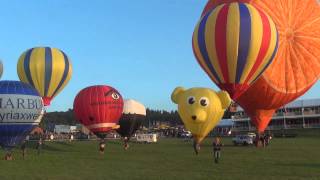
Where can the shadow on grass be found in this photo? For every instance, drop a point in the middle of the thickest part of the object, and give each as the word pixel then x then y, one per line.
pixel 305 165
pixel 63 143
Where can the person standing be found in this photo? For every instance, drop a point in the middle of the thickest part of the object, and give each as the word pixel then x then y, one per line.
pixel 126 143
pixel 39 146
pixel 217 149
pixel 23 149
pixel 102 146
pixel 8 156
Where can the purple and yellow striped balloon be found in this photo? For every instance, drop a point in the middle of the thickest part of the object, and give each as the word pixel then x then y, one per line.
pixel 234 43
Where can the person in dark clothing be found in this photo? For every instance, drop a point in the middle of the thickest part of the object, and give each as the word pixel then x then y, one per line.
pixel 217 149
pixel 126 143
pixel 23 149
pixel 196 147
pixel 267 138
pixel 263 140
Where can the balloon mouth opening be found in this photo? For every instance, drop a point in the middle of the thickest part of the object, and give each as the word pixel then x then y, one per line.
pixel 234 90
pixel 46 101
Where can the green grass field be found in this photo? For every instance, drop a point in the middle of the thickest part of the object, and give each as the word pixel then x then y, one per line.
pixel 296 158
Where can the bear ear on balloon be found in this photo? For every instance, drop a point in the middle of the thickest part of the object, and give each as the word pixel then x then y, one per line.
pixel 225 99
pixel 175 94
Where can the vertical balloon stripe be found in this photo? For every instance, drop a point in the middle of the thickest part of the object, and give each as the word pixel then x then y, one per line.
pixel 197 53
pixel 265 43
pixel 233 26
pixel 202 45
pixel 245 38
pixel 48 69
pixel 37 68
pixel 220 39
pixel 20 68
pixel 256 38
pixel 211 44
pixel 271 51
pixel 65 74
pixel 200 60
pixel 269 60
pixel 26 66
pixel 58 65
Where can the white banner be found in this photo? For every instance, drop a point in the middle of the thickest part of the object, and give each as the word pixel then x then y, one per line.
pixel 15 108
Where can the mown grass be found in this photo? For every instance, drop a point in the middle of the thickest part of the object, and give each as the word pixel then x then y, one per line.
pixel 296 158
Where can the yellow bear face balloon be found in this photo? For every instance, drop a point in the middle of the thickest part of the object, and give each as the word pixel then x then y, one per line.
pixel 200 109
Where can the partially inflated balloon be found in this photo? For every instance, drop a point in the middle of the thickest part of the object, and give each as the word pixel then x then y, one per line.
pixel 234 43
pixel 46 69
pixel 21 110
pixel 134 113
pixel 200 109
pixel 99 109
pixel 297 64
pixel 1 68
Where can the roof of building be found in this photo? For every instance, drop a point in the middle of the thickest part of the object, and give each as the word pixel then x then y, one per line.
pixel 298 104
pixel 225 122
pixel 303 103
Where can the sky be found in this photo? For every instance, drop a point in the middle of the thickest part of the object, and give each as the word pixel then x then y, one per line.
pixel 142 48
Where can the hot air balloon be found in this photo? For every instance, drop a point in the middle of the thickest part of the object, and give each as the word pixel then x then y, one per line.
pixel 134 113
pixel 296 66
pixel 200 109
pixel 234 43
pixel 21 110
pixel 99 108
pixel 1 68
pixel 46 69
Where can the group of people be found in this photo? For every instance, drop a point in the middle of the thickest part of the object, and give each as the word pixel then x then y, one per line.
pixel 23 147
pixel 263 140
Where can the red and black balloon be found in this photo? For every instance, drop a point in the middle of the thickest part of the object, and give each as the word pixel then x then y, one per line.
pixel 99 108
pixel 134 113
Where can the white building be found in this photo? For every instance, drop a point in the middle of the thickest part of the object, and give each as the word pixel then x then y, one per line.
pixel 64 129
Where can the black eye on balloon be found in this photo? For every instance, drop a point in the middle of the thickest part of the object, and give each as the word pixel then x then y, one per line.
pixel 191 100
pixel 115 96
pixel 204 101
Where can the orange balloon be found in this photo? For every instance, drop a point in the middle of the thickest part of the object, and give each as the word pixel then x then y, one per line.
pixel 296 66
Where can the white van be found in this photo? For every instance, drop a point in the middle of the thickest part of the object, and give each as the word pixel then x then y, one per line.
pixel 243 139
pixel 147 138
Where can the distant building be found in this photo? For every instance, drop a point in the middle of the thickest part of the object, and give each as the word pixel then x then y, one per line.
pixel 296 115
pixel 224 127
pixel 83 129
pixel 65 129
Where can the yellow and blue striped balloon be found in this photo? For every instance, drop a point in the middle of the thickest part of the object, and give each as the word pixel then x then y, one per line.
pixel 234 43
pixel 47 69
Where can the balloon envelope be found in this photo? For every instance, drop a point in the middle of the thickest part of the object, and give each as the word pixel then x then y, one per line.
pixel 46 69
pixel 1 68
pixel 234 43
pixel 296 66
pixel 134 113
pixel 21 109
pixel 200 109
pixel 98 108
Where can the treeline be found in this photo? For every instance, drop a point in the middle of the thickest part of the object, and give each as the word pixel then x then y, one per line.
pixel 153 117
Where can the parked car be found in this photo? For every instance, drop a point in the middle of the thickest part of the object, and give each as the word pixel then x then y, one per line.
pixel 243 139
pixel 186 134
pixel 147 138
